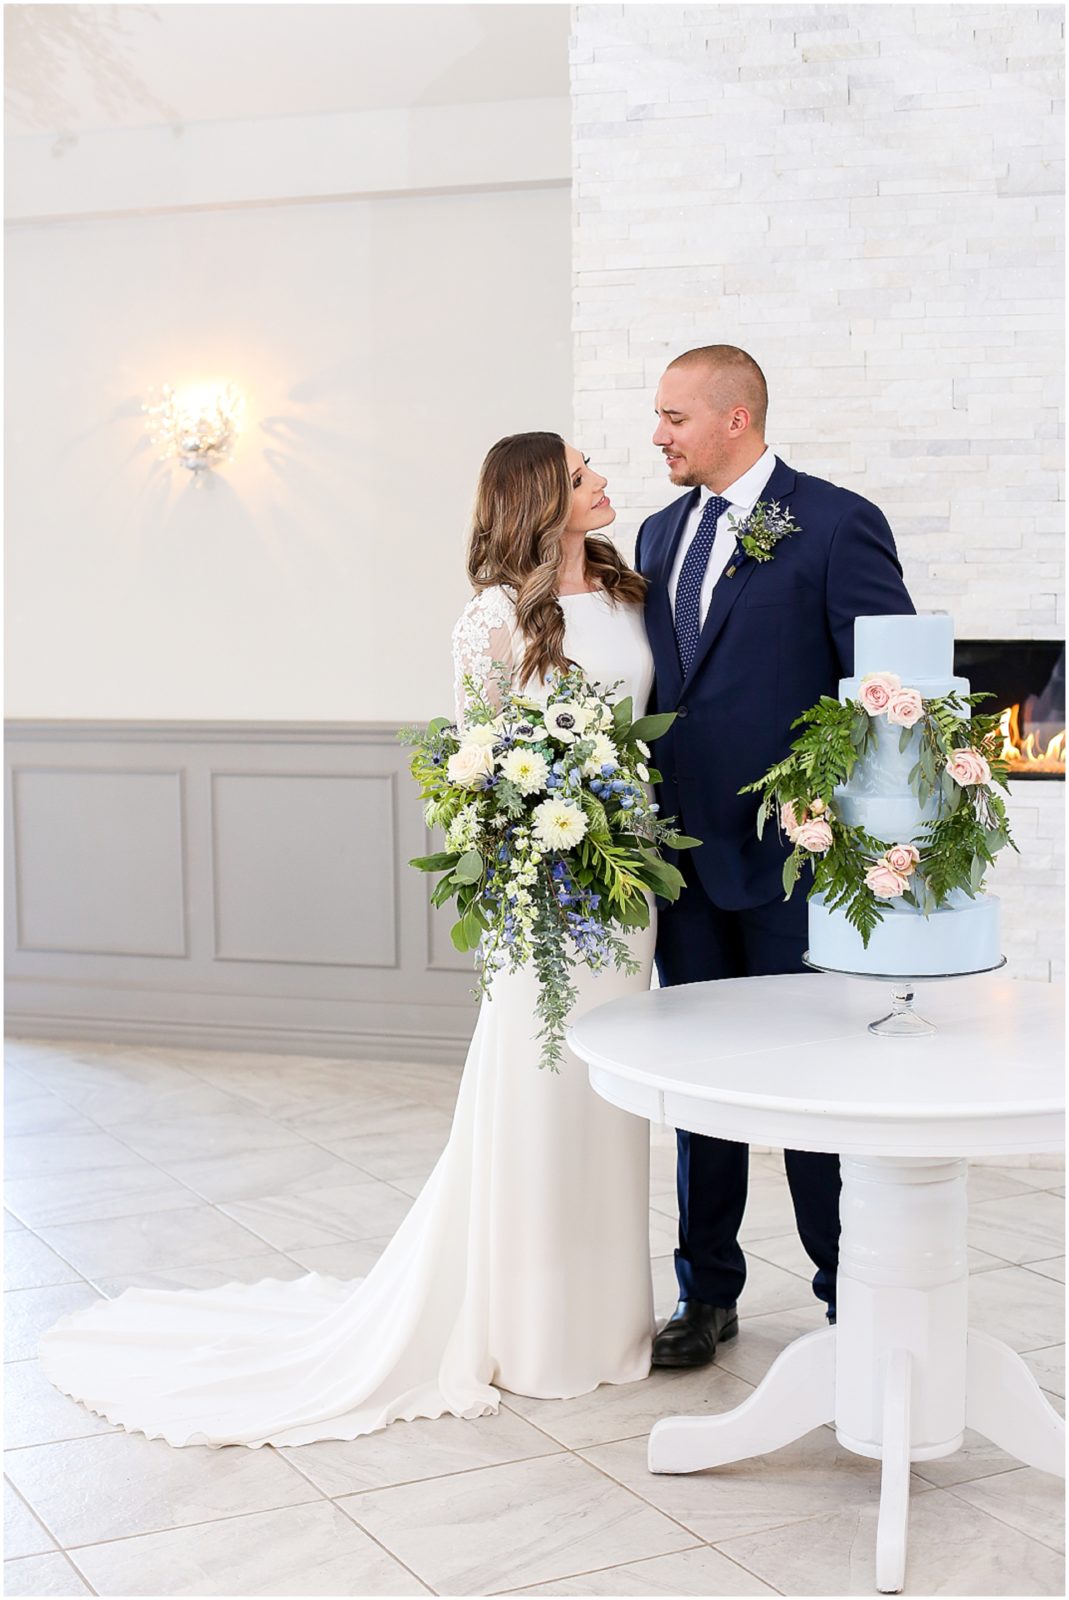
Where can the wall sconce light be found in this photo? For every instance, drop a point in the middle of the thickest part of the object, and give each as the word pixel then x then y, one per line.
pixel 197 427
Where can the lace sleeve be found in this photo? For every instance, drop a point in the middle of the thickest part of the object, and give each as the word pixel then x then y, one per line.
pixel 483 643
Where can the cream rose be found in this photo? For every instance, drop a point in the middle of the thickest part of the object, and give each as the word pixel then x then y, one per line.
pixel 885 882
pixel 876 690
pixel 815 835
pixel 902 858
pixel 905 708
pixel 470 763
pixel 968 766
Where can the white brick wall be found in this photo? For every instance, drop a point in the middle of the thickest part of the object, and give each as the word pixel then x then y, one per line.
pixel 868 198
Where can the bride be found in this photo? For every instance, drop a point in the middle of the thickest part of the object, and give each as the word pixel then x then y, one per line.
pixel 524 1263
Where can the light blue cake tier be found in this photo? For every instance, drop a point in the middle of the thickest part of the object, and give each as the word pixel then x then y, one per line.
pixel 962 936
pixel 919 650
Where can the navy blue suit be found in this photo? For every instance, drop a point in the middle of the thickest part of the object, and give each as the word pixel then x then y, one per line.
pixel 777 636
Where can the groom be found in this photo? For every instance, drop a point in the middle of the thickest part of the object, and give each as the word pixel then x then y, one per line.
pixel 740 648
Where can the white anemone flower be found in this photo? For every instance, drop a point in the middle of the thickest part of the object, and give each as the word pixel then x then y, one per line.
pixel 526 769
pixel 558 824
pixel 566 721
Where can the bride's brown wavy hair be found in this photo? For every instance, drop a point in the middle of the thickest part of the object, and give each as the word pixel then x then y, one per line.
pixel 522 507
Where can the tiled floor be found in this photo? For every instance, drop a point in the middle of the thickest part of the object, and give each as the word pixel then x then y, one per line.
pixel 181 1167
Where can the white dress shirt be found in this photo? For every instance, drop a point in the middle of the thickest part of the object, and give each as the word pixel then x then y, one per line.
pixel 742 496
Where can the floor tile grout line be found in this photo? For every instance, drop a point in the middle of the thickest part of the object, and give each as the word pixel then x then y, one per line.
pixel 589 1572
pixel 459 1472
pixel 989 1512
pixel 791 1521
pixel 78 1571
pixel 14 1489
pixel 14 1561
pixel 691 1532
pixel 205 1522
pixel 393 1557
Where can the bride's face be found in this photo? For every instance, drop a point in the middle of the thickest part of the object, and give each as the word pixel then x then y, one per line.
pixel 591 506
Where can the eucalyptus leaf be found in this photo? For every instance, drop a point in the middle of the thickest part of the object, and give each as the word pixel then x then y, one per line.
pixel 652 727
pixel 469 869
pixel 436 863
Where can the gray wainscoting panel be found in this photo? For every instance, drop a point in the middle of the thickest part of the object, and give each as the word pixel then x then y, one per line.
pixel 230 885
pixel 298 862
pixel 99 860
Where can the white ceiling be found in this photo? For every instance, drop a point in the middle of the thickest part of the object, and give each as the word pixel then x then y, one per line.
pixel 73 69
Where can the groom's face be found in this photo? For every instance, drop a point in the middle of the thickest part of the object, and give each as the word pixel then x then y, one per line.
pixel 695 438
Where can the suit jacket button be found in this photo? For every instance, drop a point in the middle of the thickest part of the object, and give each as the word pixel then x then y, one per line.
pixel 681 711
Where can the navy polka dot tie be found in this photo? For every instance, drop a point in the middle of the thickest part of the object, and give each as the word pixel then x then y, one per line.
pixel 692 573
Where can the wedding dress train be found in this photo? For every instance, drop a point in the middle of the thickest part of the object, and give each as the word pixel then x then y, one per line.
pixel 522 1265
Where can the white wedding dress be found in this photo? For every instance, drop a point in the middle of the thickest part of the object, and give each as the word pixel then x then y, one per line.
pixel 522 1265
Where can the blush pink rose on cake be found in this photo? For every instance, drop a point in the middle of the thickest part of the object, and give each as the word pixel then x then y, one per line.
pixel 875 691
pixel 905 708
pixel 815 835
pixel 902 858
pixel 968 766
pixel 885 882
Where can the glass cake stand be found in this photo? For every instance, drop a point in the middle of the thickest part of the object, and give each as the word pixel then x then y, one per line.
pixel 902 1022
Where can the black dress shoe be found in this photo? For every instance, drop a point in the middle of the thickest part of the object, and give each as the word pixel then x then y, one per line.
pixel 831 1315
pixel 689 1338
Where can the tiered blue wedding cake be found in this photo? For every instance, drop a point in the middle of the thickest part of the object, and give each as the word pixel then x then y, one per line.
pixel 963 935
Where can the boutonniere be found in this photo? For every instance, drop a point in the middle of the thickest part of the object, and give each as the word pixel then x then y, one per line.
pixel 758 534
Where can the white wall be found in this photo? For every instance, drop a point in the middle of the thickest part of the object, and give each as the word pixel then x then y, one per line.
pixel 868 198
pixel 382 345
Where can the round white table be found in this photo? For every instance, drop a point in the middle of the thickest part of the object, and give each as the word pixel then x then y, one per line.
pixel 789 1061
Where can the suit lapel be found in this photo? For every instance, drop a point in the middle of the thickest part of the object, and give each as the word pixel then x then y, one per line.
pixel 726 591
pixel 660 624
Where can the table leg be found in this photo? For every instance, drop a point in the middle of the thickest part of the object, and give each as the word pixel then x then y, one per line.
pixel 1005 1403
pixel 796 1395
pixel 893 1527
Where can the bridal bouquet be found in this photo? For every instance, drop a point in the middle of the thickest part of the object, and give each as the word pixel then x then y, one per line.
pixel 551 840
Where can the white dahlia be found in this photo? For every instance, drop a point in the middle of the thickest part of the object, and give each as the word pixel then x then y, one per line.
pixel 526 769
pixel 558 824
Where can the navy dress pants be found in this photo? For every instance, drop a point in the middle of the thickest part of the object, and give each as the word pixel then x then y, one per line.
pixel 697 941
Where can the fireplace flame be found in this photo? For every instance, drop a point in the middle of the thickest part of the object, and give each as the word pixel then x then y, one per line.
pixel 1032 753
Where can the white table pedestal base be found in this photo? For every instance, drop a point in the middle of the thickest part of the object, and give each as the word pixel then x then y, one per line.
pixel 900 1375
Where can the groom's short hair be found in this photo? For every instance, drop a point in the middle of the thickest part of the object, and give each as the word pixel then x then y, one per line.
pixel 735 379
